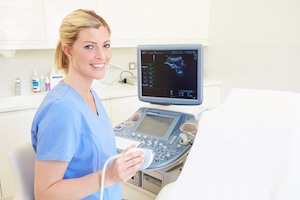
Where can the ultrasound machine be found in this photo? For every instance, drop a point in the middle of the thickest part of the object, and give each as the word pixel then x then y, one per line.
pixel 170 78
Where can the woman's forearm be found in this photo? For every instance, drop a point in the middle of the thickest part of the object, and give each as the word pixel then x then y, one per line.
pixel 49 182
pixel 66 189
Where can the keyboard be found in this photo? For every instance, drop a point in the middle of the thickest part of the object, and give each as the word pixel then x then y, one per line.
pixel 123 143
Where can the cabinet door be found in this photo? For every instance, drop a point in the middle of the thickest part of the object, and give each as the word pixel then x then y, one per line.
pixel 21 24
pixel 159 21
pixel 123 108
pixel 15 131
pixel 124 19
pixel 107 106
pixel 56 10
pixel 193 20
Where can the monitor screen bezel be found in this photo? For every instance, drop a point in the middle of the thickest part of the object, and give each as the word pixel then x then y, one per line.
pixel 172 101
pixel 165 137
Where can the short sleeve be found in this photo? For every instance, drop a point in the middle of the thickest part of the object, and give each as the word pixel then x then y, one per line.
pixel 57 135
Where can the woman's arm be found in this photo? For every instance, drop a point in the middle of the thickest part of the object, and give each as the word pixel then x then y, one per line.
pixel 49 182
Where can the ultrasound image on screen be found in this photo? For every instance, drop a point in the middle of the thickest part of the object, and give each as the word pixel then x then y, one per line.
pixel 171 74
pixel 177 63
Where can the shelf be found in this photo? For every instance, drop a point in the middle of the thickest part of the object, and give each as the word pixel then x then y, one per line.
pixel 132 192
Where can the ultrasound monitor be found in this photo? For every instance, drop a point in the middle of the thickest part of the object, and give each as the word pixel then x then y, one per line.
pixel 170 74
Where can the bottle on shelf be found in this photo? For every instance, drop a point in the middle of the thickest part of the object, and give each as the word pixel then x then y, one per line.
pixel 35 82
pixel 47 83
pixel 42 83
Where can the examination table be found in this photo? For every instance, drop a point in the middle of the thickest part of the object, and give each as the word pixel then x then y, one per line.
pixel 248 148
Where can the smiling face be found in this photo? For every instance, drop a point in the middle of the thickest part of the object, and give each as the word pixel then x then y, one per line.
pixel 90 54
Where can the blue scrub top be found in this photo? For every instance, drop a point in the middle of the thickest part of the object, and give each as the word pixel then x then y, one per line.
pixel 66 129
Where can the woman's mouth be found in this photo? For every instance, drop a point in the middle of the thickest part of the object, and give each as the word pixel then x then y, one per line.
pixel 97 65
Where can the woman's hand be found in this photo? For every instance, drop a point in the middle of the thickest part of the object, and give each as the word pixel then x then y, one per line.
pixel 124 168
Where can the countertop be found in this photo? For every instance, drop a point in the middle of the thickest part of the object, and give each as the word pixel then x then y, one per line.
pixel 33 100
pixel 116 90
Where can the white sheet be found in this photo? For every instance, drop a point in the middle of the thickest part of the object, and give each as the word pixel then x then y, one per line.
pixel 246 149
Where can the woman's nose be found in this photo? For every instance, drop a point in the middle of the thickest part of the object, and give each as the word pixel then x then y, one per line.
pixel 100 54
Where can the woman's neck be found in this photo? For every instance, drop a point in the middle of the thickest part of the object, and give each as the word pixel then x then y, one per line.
pixel 81 85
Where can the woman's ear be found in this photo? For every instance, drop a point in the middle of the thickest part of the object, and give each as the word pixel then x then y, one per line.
pixel 67 50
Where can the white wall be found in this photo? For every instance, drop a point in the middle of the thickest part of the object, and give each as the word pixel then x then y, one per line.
pixel 21 66
pixel 24 61
pixel 252 44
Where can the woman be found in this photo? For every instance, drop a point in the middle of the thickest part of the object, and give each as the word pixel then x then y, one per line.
pixel 71 132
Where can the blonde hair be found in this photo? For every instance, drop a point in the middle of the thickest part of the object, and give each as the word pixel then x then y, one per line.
pixel 70 27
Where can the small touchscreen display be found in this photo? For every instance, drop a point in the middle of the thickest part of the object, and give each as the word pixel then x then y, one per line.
pixel 155 125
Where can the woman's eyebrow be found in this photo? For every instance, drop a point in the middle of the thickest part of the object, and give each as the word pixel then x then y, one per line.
pixel 96 42
pixel 90 42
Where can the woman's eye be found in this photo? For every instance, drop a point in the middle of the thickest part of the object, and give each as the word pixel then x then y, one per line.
pixel 88 46
pixel 107 45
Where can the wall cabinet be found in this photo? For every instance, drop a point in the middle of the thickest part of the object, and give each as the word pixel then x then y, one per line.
pixel 193 21
pixel 34 24
pixel 21 24
pixel 56 10
pixel 160 20
pixel 124 19
pixel 156 21
pixel 175 21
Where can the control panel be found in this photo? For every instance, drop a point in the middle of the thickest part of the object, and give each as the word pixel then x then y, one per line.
pixel 167 133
